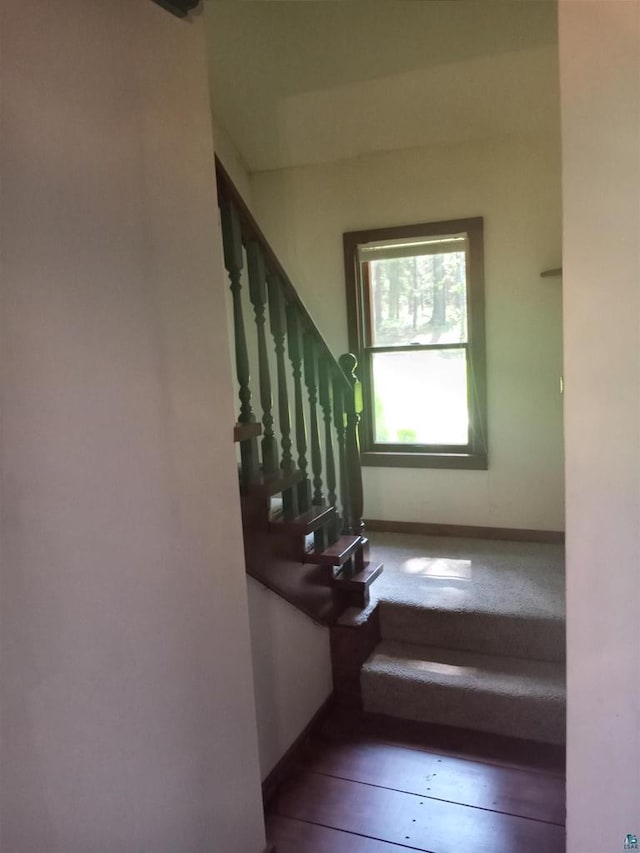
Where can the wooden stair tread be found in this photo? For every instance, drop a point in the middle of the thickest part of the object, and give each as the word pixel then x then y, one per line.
pixel 336 554
pixel 362 579
pixel 243 432
pixel 307 522
pixel 269 485
pixel 304 586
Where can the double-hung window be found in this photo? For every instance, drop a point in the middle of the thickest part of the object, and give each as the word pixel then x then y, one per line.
pixel 415 299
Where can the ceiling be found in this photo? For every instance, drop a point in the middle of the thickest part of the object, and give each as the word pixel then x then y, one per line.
pixel 297 82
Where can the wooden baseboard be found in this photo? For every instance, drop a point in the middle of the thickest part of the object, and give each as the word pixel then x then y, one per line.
pixel 292 755
pixel 345 725
pixel 555 537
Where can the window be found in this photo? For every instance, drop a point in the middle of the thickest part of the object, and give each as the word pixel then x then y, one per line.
pixel 415 303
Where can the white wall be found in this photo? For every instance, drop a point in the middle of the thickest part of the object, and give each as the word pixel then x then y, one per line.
pixel 291 670
pixel 600 82
pixel 514 182
pixel 127 709
pixel 291 655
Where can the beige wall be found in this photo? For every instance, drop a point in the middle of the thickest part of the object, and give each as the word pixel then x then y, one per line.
pixel 127 709
pixel 514 182
pixel 291 670
pixel 600 80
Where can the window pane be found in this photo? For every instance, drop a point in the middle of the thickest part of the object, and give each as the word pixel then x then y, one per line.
pixel 418 299
pixel 420 397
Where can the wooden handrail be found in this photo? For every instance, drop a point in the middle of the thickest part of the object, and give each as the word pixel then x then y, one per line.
pixel 251 231
pixel 333 387
pixel 307 546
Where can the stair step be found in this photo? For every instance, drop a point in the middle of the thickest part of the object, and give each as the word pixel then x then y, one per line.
pixel 501 695
pixel 268 485
pixel 243 432
pixel 475 628
pixel 336 554
pixel 356 587
pixel 363 578
pixel 488 597
pixel 308 522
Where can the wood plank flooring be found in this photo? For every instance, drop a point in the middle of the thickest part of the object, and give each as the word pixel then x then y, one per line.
pixel 364 793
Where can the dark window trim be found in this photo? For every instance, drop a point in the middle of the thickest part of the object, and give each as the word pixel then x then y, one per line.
pixel 471 456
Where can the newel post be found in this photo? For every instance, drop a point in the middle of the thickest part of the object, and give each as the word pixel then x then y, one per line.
pixel 352 402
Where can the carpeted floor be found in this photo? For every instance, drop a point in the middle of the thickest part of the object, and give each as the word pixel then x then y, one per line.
pixel 509 578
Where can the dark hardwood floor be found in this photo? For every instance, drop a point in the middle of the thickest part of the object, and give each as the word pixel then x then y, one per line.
pixel 374 785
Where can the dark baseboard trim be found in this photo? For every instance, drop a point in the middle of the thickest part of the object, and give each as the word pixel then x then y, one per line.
pixel 460 743
pixel 291 757
pixel 555 537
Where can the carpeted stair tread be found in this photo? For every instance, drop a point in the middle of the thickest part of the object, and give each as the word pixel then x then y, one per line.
pixel 508 598
pixel 482 630
pixel 472 574
pixel 477 595
pixel 502 695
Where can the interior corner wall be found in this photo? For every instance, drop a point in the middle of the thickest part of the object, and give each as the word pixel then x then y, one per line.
pixel 291 654
pixel 514 183
pixel 127 708
pixel 231 158
pixel 600 86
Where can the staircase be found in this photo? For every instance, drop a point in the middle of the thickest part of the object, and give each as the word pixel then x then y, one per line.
pixel 472 636
pixel 302 456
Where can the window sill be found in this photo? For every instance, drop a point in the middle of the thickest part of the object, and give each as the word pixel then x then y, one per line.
pixel 464 461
